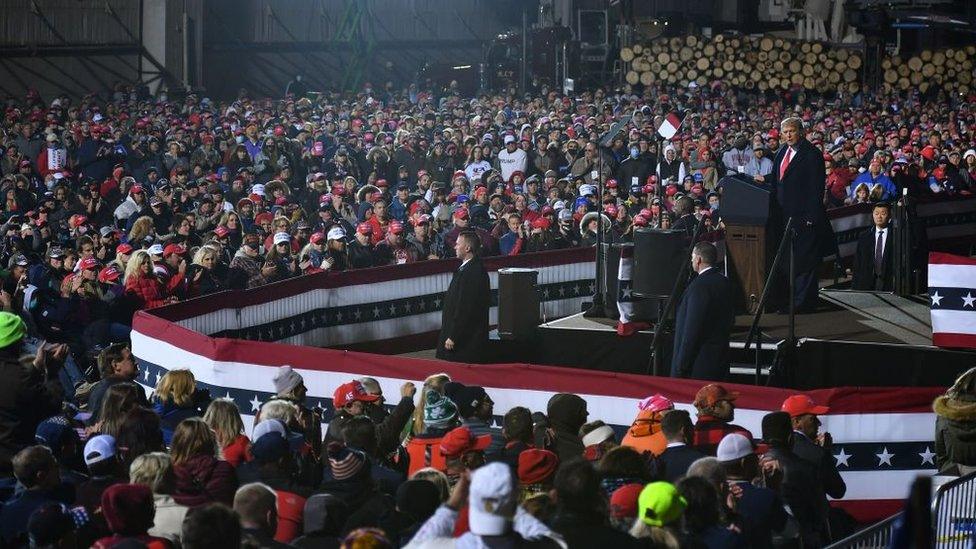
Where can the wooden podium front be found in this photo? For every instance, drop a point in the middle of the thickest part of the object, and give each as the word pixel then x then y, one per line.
pixel 745 259
pixel 745 210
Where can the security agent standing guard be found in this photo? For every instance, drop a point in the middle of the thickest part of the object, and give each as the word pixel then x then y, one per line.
pixel 703 321
pixel 464 318
pixel 873 263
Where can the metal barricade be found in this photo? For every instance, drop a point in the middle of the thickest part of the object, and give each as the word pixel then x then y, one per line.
pixel 876 536
pixel 954 513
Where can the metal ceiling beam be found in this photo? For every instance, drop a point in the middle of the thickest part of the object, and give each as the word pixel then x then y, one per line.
pixel 337 46
pixel 102 50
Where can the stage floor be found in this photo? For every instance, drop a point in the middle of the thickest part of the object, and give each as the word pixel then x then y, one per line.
pixel 867 317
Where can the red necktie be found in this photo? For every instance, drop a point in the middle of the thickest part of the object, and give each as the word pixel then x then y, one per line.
pixel 786 162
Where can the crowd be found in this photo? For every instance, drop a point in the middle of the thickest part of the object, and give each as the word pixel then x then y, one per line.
pixel 120 203
pixel 114 204
pixel 430 468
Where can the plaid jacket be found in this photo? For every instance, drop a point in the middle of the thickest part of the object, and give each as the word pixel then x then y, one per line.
pixel 709 431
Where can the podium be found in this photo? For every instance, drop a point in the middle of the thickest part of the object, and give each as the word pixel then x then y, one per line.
pixel 746 212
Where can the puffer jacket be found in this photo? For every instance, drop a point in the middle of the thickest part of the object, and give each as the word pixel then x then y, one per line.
pixel 955 431
pixel 204 479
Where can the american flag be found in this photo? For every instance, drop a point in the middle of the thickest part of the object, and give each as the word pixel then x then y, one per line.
pixel 952 296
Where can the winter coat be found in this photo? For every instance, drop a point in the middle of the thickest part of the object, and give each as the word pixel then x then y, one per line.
pixel 26 399
pixel 170 415
pixel 566 416
pixel 147 291
pixel 168 521
pixel 204 479
pixel 955 431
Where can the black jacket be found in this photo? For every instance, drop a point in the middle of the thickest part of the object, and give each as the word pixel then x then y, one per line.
pixel 464 318
pixel 830 480
pixel 702 326
pixel 800 490
pixel 800 196
pixel 864 272
pixel 26 399
pixel 675 461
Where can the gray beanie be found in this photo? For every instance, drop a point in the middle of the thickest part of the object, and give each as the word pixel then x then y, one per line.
pixel 286 379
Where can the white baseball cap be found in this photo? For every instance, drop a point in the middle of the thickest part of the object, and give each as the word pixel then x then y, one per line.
pixel 336 233
pixel 509 138
pixel 99 448
pixel 492 500
pixel 733 447
pixel 281 237
pixel 155 249
pixel 269 426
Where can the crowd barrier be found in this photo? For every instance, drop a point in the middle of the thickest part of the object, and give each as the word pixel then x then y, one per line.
pixel 233 341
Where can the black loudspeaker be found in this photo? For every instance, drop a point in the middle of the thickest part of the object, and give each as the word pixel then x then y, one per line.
pixel 518 303
pixel 644 308
pixel 658 258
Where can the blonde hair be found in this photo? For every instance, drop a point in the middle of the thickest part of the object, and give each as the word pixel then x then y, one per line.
pixel 176 386
pixel 433 382
pixel 202 254
pixel 155 470
pixel 437 477
pixel 191 438
pixel 224 418
pixel 133 267
pixel 279 409
pixel 141 228
pixel 660 537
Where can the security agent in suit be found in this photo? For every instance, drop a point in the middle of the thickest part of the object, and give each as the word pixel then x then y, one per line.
pixel 798 179
pixel 677 457
pixel 873 262
pixel 464 318
pixel 703 321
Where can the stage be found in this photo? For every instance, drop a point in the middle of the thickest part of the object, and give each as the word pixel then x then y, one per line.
pixel 852 339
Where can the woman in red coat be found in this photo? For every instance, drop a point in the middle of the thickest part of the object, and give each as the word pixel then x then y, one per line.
pixel 200 477
pixel 142 284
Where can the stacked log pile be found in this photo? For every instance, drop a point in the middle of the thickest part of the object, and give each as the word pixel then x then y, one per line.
pixel 768 62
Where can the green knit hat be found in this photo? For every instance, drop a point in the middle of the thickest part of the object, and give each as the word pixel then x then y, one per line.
pixel 439 411
pixel 12 329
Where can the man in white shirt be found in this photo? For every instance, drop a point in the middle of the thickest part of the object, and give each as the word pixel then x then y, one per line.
pixel 512 159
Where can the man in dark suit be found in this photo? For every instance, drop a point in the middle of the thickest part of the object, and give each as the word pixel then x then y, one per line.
pixel 873 260
pixel 704 320
pixel 813 446
pixel 798 177
pixel 677 457
pixel 464 318
pixel 684 212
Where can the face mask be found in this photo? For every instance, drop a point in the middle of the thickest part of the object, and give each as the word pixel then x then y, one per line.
pixel 713 206
pixel 634 151
pixel 239 139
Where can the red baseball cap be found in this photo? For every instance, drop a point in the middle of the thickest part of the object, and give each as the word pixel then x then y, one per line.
pixel 799 405
pixel 461 214
pixel 348 393
pixel 540 223
pixel 536 466
pixel 364 228
pixel 460 441
pixel 123 249
pixel 109 274
pixel 316 238
pixel 88 263
pixel 171 249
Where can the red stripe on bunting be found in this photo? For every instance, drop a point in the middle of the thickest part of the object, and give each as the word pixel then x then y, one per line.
pixel 962 341
pixel 940 258
pixel 842 400
pixel 867 511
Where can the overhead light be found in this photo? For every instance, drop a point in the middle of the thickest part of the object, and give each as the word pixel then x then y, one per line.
pixel 461 67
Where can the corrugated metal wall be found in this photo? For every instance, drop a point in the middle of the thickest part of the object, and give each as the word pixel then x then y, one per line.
pixel 78 21
pixel 365 35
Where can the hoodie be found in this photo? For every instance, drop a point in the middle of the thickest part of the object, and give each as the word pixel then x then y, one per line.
pixel 567 413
